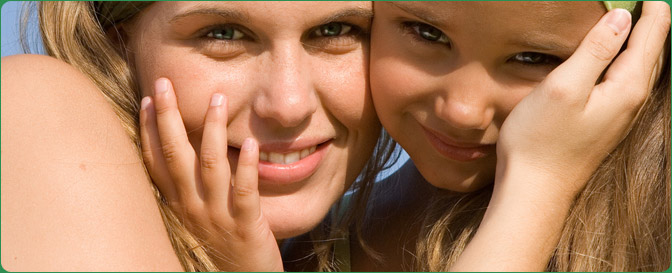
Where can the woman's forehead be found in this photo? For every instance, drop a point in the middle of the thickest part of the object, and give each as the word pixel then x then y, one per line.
pixel 260 11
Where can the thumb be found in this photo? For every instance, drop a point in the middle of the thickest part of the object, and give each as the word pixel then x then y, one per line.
pixel 594 54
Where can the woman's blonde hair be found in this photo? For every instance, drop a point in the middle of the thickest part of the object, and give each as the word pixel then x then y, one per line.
pixel 72 33
pixel 619 222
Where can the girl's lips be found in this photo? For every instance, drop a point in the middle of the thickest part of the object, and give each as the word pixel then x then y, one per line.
pixel 455 150
pixel 289 166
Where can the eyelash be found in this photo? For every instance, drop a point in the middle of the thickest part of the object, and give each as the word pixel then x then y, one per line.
pixel 535 59
pixel 419 32
pixel 241 33
pixel 344 29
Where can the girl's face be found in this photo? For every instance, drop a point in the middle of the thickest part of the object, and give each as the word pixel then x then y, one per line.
pixel 295 75
pixel 445 75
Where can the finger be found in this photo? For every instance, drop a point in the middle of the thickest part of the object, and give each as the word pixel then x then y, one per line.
pixel 152 153
pixel 593 55
pixel 177 151
pixel 245 197
pixel 644 50
pixel 215 172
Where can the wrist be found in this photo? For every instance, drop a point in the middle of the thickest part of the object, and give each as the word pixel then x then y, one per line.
pixel 541 185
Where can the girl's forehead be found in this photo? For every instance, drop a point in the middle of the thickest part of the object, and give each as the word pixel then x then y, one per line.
pixel 546 13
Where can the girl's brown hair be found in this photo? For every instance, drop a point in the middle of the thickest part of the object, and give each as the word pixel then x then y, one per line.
pixel 73 32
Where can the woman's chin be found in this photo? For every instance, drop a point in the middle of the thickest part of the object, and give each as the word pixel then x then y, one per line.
pixel 288 227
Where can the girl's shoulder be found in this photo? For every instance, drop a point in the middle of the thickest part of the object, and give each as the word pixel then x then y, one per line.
pixel 74 191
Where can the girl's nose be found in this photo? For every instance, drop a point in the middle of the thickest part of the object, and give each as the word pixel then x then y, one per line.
pixel 466 99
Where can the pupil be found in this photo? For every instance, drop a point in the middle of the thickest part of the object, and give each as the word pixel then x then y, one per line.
pixel 331 29
pixel 532 58
pixel 429 33
pixel 226 33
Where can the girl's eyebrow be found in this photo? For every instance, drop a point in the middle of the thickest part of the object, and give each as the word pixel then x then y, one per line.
pixel 228 14
pixel 421 13
pixel 543 43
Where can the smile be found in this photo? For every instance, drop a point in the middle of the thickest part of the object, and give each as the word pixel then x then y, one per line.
pixel 288 158
pixel 287 163
pixel 456 150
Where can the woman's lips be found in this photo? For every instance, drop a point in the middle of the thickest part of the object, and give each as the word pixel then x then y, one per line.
pixel 289 165
pixel 456 150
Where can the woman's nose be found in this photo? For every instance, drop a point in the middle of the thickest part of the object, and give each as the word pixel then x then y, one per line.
pixel 466 99
pixel 288 94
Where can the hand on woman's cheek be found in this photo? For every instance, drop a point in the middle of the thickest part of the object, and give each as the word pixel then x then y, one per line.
pixel 224 213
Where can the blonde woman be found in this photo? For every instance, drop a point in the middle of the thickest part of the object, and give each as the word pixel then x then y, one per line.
pixel 290 77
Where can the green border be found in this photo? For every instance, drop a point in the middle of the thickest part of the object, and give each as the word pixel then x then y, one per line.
pixel 614 3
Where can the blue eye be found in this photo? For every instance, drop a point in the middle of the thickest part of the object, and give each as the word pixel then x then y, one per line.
pixel 429 33
pixel 225 33
pixel 332 29
pixel 534 58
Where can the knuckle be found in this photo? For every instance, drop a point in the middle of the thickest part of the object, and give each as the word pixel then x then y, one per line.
pixel 209 158
pixel 563 92
pixel 147 156
pixel 162 110
pixel 243 190
pixel 171 151
pixel 600 50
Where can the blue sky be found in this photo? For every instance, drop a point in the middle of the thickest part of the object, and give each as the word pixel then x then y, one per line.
pixel 11 16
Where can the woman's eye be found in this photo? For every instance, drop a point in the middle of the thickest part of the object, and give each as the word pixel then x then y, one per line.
pixel 430 33
pixel 332 29
pixel 225 33
pixel 534 58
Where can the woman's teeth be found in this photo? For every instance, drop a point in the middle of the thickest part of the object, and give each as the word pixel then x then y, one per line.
pixel 288 158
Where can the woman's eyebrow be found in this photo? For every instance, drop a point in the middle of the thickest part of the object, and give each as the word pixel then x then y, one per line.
pixel 366 14
pixel 228 14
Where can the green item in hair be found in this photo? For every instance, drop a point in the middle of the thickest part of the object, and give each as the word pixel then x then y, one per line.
pixel 626 5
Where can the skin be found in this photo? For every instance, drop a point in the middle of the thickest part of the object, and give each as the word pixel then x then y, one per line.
pixel 68 202
pixel 463 86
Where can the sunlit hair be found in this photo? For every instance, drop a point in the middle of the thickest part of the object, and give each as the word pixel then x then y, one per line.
pixel 619 222
pixel 71 33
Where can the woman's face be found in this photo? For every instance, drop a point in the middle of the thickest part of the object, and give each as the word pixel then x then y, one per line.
pixel 445 75
pixel 295 75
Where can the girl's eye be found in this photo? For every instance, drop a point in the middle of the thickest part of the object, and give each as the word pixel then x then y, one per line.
pixel 429 33
pixel 332 29
pixel 534 58
pixel 225 33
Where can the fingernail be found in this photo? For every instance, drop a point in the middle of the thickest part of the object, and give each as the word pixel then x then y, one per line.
pixel 248 144
pixel 216 100
pixel 619 20
pixel 145 101
pixel 161 86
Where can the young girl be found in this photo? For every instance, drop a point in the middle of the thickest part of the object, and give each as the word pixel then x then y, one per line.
pixel 445 79
pixel 290 77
